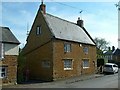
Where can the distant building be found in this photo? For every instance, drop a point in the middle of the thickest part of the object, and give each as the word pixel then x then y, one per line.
pixel 116 56
pixel 109 54
pixel 113 55
pixel 9 51
pixel 57 48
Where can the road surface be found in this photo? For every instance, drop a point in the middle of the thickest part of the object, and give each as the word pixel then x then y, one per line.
pixel 107 81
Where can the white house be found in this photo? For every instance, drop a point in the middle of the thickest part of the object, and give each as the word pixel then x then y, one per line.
pixel 9 51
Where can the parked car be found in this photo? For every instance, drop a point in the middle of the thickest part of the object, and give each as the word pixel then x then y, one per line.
pixel 110 68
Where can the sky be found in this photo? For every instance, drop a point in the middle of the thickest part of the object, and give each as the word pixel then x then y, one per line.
pixel 100 18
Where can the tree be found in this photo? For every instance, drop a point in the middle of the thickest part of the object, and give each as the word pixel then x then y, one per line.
pixel 21 66
pixel 101 44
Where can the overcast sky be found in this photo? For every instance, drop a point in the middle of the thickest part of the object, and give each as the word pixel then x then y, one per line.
pixel 100 19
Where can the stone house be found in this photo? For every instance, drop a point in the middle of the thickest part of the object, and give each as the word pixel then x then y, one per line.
pixel 116 56
pixel 57 48
pixel 109 54
pixel 113 56
pixel 9 51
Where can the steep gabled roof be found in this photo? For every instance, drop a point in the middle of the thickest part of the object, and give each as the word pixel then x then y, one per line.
pixel 7 36
pixel 110 52
pixel 63 29
pixel 116 52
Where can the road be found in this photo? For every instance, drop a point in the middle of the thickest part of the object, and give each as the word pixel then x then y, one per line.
pixel 107 81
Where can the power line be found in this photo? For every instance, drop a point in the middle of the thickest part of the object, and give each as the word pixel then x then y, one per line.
pixel 80 10
pixel 68 5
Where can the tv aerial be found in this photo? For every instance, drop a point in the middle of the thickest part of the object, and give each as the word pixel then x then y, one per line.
pixel 81 13
pixel 118 6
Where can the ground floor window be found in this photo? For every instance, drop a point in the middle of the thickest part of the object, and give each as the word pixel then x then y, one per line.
pixel 3 71
pixel 46 64
pixel 68 64
pixel 86 63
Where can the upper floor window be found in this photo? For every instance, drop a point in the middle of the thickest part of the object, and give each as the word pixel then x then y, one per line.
pixel 3 71
pixel 38 30
pixel 67 47
pixel 85 49
pixel 1 51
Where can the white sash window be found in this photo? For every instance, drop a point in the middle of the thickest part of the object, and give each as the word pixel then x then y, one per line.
pixel 3 72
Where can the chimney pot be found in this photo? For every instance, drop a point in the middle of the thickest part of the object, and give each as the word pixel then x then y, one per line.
pixel 78 18
pixel 80 22
pixel 113 48
pixel 43 8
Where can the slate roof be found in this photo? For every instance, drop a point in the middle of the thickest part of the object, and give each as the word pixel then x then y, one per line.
pixel 63 29
pixel 117 52
pixel 6 36
pixel 108 52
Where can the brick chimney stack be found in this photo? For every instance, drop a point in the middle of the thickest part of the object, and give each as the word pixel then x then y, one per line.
pixel 80 22
pixel 43 7
pixel 113 48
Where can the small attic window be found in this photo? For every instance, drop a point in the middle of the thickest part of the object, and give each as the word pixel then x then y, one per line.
pixel 38 30
pixel 86 50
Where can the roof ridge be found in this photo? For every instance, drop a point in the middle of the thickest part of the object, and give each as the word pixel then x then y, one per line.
pixel 5 27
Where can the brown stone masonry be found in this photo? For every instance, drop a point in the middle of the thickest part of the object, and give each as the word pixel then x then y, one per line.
pixel 10 62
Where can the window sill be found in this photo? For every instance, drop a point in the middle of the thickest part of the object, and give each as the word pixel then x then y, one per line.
pixel 86 67
pixel 66 52
pixel 1 58
pixel 68 69
pixel 3 77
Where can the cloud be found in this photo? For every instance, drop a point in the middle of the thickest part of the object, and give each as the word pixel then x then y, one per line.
pixel 17 20
pixel 61 0
pixel 0 13
pixel 28 17
pixel 53 9
pixel 104 24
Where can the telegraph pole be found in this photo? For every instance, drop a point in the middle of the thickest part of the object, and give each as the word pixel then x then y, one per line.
pixel 118 7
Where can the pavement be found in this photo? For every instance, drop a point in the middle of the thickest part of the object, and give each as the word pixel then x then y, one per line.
pixel 83 77
pixel 65 81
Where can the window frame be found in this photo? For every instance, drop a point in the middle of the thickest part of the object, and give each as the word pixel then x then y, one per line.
pixel 83 64
pixel 86 49
pixel 67 47
pixel 68 65
pixel 38 30
pixel 46 64
pixel 3 72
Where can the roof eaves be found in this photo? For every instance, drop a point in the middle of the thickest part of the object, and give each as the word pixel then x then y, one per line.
pixel 11 42
pixel 75 41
